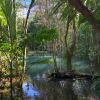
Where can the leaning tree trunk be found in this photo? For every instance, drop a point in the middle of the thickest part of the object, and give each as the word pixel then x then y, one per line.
pixel 25 32
pixel 78 5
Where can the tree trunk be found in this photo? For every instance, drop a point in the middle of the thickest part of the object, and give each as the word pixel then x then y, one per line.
pixel 1 96
pixel 11 87
pixel 25 32
pixel 24 60
pixel 69 93
pixel 70 50
pixel 54 58
pixel 69 60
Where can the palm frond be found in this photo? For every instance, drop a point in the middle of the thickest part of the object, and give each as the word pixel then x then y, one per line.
pixel 68 11
pixel 56 7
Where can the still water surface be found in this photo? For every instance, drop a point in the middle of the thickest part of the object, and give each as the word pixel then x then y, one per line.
pixel 37 87
pixel 62 90
pixel 42 89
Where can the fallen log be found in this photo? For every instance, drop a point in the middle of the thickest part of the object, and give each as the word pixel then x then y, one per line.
pixel 71 75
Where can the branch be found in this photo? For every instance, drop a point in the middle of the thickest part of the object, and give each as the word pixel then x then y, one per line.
pixel 28 12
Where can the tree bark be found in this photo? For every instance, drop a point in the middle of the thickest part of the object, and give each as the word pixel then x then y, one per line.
pixel 25 32
pixel 79 6
pixel 11 84
pixel 69 59
pixel 70 50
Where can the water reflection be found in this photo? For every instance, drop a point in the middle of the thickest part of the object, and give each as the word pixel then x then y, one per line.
pixel 30 91
pixel 62 90
pixel 58 90
pixel 66 90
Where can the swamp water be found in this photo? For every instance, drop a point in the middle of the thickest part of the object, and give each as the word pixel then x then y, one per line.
pixel 37 87
pixel 41 89
pixel 60 90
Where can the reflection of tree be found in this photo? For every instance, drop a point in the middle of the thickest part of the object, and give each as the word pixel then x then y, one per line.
pixel 27 85
pixel 56 91
pixel 68 91
pixel 1 96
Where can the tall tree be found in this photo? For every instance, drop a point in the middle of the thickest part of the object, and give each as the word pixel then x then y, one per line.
pixel 8 9
pixel 25 32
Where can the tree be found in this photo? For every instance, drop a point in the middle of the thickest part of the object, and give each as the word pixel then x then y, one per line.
pixel 25 32
pixel 79 6
pixel 9 44
pixel 86 8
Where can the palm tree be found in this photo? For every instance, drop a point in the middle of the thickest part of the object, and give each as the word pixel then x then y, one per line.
pixel 8 9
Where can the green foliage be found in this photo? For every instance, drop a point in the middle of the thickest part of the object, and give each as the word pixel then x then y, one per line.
pixel 94 6
pixel 82 49
pixel 10 49
pixel 2 18
pixel 56 7
pixel 81 20
pixel 68 11
pixel 39 34
pixel 46 35
pixel 86 47
pixel 5 47
pixel 10 15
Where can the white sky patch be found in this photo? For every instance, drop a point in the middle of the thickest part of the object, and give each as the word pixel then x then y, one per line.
pixel 22 12
pixel 27 2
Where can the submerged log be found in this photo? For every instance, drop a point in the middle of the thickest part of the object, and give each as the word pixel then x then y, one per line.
pixel 71 75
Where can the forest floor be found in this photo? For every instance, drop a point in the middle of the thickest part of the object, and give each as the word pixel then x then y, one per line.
pixel 5 83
